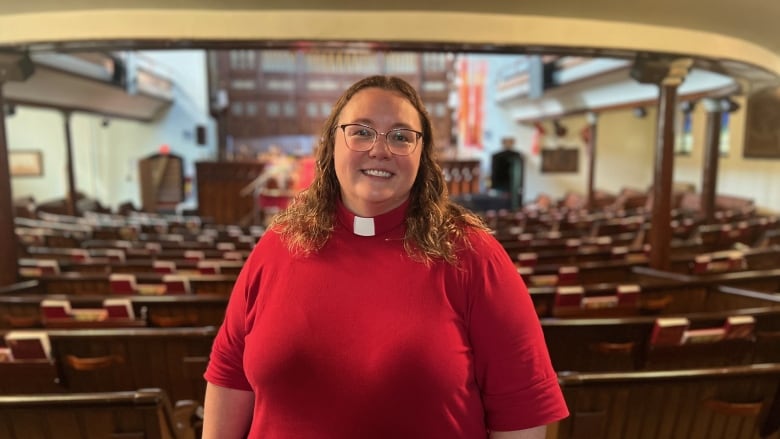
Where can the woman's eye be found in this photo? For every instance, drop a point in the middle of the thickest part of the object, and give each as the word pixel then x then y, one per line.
pixel 360 132
pixel 400 137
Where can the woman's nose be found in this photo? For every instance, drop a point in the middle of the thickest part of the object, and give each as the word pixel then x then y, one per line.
pixel 380 148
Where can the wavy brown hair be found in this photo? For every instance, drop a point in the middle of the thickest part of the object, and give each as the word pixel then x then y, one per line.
pixel 435 226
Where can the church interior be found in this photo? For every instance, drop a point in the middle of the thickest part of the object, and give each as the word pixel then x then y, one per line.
pixel 626 157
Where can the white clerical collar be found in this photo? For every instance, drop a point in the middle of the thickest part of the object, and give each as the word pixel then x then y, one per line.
pixel 363 226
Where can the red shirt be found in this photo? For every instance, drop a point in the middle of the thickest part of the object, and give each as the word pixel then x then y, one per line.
pixel 360 341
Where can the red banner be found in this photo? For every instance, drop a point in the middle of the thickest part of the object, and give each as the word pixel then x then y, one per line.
pixel 471 95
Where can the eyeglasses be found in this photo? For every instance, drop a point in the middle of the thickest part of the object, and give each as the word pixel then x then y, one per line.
pixel 400 141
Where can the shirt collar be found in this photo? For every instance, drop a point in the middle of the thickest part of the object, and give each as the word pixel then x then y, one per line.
pixel 377 225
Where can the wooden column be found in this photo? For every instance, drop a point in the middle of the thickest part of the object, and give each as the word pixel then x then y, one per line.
pixel 661 229
pixel 668 74
pixel 70 197
pixel 12 68
pixel 9 264
pixel 220 117
pixel 592 119
pixel 709 180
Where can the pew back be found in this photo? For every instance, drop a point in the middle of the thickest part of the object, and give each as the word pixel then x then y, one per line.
pixel 142 414
pixel 725 403
pixel 105 360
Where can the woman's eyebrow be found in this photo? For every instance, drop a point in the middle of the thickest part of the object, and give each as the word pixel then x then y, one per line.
pixel 395 126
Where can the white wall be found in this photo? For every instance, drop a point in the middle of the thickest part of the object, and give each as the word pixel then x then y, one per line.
pixel 106 157
pixel 39 130
pixel 626 158
pixel 626 148
pixel 758 179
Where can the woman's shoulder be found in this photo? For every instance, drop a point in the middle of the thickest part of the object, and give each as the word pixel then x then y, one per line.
pixel 270 239
pixel 480 241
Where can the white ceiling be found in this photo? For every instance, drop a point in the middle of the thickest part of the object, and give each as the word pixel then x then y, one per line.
pixel 744 30
pixel 720 31
pixel 750 20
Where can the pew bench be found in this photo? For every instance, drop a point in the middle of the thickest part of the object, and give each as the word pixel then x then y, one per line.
pixel 142 414
pixel 73 283
pixel 119 359
pixel 737 402
pixel 24 310
pixel 623 344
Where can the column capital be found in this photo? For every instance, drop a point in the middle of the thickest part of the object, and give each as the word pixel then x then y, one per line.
pixel 660 70
pixel 712 105
pixel 15 67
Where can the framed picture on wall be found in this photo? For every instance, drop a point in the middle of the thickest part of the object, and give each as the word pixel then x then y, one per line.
pixel 560 160
pixel 25 163
pixel 762 119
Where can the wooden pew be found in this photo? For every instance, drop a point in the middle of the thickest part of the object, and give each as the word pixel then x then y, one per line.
pixel 665 293
pixel 90 360
pixel 616 263
pixel 130 253
pixel 604 344
pixel 23 310
pixel 723 403
pixel 30 376
pixel 141 414
pixel 74 283
pixel 758 280
pixel 767 339
pixel 197 242
pixel 134 266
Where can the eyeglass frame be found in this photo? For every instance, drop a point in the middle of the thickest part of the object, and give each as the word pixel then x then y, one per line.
pixel 387 140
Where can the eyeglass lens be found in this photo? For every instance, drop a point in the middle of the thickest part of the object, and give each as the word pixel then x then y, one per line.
pixel 401 141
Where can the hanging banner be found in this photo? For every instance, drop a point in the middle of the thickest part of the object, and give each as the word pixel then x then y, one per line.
pixel 471 94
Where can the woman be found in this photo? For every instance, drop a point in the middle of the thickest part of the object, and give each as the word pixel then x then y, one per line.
pixel 374 307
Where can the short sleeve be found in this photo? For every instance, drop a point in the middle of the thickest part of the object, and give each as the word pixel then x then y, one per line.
pixel 511 363
pixel 225 366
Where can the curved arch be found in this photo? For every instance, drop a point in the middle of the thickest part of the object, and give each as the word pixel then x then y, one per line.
pixel 196 25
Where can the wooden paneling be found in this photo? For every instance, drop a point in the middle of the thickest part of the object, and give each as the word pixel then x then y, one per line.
pixel 162 182
pixel 219 185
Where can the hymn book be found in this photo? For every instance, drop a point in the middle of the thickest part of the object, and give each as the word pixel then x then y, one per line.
pixel 29 345
pixel 55 308
pixel 122 283
pixel 669 331
pixel 703 335
pixel 739 327
pixel 569 296
pixel 119 308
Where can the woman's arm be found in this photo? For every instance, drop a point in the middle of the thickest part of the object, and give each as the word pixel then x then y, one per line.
pixel 227 413
pixel 530 433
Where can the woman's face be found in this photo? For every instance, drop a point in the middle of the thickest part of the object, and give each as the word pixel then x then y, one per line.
pixel 376 181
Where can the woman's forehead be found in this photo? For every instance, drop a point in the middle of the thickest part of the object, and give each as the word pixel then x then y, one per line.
pixel 377 105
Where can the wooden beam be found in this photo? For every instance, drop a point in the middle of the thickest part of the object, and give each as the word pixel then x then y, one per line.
pixel 715 93
pixel 709 180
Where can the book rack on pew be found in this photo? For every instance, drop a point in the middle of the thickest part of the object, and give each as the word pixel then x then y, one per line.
pixel 24 310
pixel 659 294
pixel 608 344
